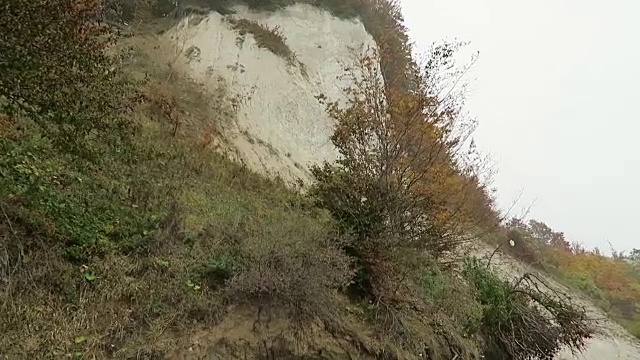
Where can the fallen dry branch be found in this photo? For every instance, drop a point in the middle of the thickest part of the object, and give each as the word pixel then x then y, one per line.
pixel 526 319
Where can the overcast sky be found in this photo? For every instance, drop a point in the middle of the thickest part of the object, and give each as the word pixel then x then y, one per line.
pixel 554 92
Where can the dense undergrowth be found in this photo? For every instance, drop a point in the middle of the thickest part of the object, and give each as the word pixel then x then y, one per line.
pixel 124 236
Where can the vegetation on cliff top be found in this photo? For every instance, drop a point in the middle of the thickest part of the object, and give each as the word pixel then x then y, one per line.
pixel 122 237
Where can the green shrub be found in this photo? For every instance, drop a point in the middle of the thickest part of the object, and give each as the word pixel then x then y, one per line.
pixel 67 102
pixel 434 283
pixel 163 8
pixel 339 8
pixel 221 269
pixel 59 197
pixel 520 321
pixel 633 327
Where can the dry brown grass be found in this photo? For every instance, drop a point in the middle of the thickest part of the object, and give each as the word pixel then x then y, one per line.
pixel 271 39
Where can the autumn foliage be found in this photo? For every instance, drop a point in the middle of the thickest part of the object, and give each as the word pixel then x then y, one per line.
pixel 612 281
pixel 408 179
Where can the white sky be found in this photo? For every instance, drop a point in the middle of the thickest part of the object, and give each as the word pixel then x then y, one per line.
pixel 553 94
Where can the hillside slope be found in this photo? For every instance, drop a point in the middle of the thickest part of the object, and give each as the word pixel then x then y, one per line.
pixel 136 220
pixel 281 109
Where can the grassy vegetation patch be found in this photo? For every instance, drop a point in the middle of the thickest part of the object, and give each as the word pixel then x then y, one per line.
pixel 271 39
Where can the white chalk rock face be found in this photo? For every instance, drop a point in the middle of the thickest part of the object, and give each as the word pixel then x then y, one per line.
pixel 281 127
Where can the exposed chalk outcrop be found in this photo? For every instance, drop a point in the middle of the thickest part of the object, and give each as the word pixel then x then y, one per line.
pixel 281 127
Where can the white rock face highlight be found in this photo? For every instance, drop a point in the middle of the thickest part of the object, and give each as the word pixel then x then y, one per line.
pixel 281 127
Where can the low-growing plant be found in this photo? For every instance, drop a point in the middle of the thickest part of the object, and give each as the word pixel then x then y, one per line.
pixel 296 276
pixel 271 39
pixel 222 268
pixel 434 283
pixel 527 319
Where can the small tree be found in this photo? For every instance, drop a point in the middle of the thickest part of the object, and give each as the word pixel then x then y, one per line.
pixel 406 173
